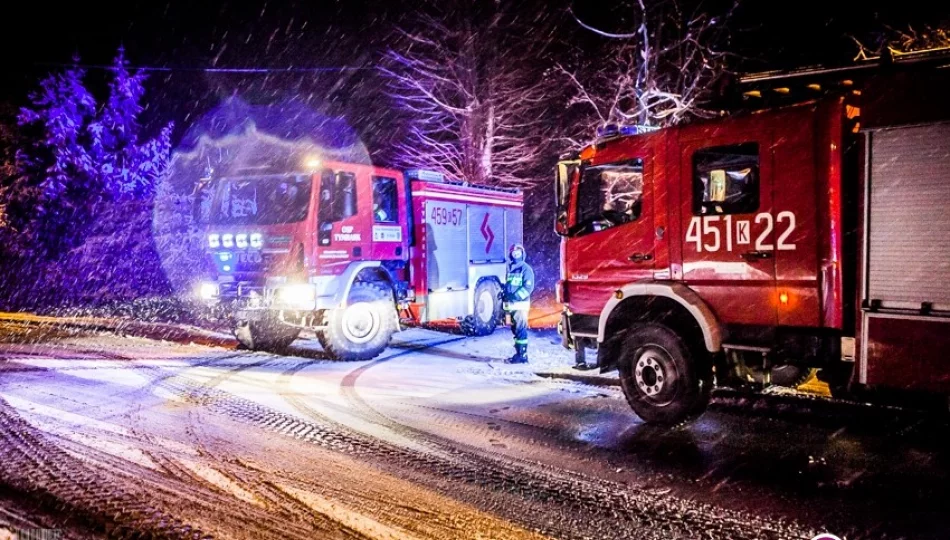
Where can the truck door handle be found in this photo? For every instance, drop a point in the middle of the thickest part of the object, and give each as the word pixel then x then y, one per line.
pixel 641 257
pixel 752 255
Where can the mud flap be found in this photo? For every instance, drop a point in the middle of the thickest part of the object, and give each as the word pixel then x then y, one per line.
pixel 564 329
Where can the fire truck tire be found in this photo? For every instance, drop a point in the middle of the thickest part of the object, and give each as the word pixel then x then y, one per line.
pixel 265 335
pixel 361 330
pixel 488 310
pixel 663 380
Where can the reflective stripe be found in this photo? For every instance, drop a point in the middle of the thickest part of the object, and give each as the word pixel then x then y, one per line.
pixel 521 342
pixel 515 280
pixel 524 305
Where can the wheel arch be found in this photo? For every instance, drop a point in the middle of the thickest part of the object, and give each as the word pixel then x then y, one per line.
pixel 671 304
pixel 371 271
pixel 375 274
pixel 489 278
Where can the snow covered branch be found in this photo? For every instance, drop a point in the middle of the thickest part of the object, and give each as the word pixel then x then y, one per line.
pixel 471 100
pixel 896 42
pixel 663 73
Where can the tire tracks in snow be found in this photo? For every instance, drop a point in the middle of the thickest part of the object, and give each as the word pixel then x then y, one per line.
pixel 31 465
pixel 561 496
pixel 113 495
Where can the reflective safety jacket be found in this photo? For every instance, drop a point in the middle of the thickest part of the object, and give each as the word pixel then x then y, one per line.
pixel 518 287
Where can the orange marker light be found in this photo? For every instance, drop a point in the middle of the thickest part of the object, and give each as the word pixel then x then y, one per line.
pixel 783 298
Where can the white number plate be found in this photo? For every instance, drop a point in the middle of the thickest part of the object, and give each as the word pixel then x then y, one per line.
pixel 723 233
pixel 387 233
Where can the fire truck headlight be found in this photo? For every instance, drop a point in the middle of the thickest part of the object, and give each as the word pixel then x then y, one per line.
pixel 312 162
pixel 257 240
pixel 214 240
pixel 227 240
pixel 208 291
pixel 299 296
pixel 241 241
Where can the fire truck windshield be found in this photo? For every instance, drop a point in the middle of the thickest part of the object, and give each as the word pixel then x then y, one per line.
pixel 263 200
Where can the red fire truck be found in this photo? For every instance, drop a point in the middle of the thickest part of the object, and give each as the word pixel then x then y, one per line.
pixel 351 251
pixel 756 248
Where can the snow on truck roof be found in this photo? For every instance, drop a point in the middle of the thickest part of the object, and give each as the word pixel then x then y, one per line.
pixel 415 175
pixel 433 177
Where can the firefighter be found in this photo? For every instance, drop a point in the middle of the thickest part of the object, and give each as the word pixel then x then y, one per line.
pixel 517 300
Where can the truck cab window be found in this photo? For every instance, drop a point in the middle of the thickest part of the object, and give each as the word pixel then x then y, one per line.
pixel 385 205
pixel 609 195
pixel 726 179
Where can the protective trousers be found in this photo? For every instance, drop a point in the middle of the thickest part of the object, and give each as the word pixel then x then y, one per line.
pixel 519 328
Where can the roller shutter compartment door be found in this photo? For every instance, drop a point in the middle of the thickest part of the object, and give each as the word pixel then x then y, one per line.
pixel 446 246
pixel 909 218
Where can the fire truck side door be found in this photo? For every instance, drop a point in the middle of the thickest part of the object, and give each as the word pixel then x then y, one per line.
pixel 611 239
pixel 388 218
pixel 728 226
pixel 342 216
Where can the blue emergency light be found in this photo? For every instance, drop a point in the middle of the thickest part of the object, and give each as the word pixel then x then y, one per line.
pixel 612 130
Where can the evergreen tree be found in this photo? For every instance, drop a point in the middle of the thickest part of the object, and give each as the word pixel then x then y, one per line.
pixel 76 215
pixel 128 169
pixel 80 158
pixel 57 181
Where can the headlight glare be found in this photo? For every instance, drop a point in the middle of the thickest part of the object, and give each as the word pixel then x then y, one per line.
pixel 208 290
pixel 300 296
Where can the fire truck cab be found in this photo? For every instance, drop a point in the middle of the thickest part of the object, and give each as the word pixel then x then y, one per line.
pixel 755 248
pixel 352 251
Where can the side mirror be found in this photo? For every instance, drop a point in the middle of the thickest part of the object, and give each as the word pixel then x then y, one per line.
pixel 560 223
pixel 562 192
pixel 201 203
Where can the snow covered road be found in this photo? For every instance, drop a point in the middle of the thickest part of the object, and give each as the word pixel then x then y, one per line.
pixel 103 435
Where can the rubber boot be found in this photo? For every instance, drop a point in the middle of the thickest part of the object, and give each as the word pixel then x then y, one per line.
pixel 521 355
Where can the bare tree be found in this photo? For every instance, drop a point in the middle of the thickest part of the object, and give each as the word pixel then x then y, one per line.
pixel 660 74
pixel 896 42
pixel 470 94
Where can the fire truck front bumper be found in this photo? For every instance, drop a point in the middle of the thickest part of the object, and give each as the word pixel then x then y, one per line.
pixel 252 302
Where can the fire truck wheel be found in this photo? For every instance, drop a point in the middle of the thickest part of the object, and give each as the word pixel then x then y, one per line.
pixel 361 330
pixel 265 335
pixel 663 380
pixel 488 310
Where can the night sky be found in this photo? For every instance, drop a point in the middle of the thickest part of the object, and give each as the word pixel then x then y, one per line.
pixel 350 35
